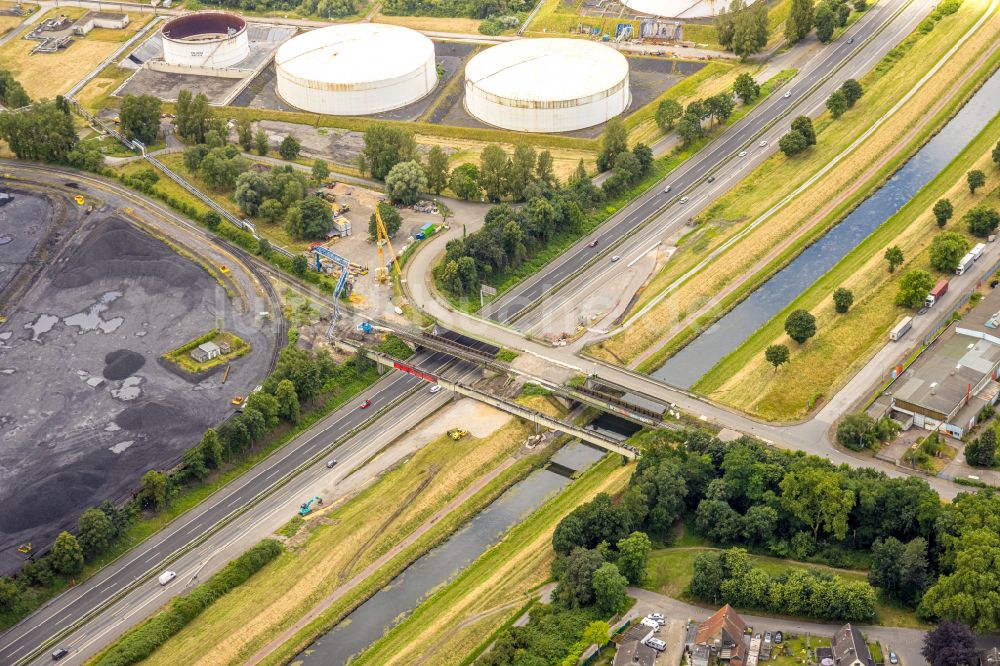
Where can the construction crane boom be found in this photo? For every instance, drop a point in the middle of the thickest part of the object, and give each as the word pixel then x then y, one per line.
pixel 345 268
pixel 383 235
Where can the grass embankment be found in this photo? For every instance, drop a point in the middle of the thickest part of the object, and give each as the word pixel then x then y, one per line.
pixel 191 496
pixel 435 23
pixel 51 74
pixel 462 618
pixel 670 571
pixel 344 541
pixel 844 343
pixel 696 302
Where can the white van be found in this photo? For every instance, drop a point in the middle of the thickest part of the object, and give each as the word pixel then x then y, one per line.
pixel 166 577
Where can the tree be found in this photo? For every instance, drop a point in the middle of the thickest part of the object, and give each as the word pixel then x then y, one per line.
pixel 947 250
pixel 894 256
pixel 943 210
pixel 437 170
pixel 706 583
pixel 826 22
pixel 857 431
pixel 852 91
pixel 614 141
pixel 800 20
pixel 981 452
pixel 995 155
pixel 309 219
pixel 982 221
pixel 385 147
pixel 913 571
pixel 251 190
pixel 140 117
pixel 968 593
pixel 211 449
pixel 10 595
pixel 814 496
pixel 271 210
pixel 950 644
pixel 837 103
pixel 244 134
pixel 800 325
pixel 12 94
pixel 633 556
pixel 299 263
pixel 804 126
pixel 885 570
pixel 320 171
pixel 544 169
pixel 720 106
pixel 669 111
pixel 155 490
pixel 860 5
pixel 222 166
pixel 405 181
pixel 260 141
pixel 776 355
pixel 494 172
pixel 521 171
pixel 391 219
pixel 913 289
pixel 575 588
pixel 746 88
pixel 750 31
pixel 610 589
pixel 95 531
pixel 689 128
pixel 193 465
pixel 289 148
pixel 792 143
pixel 843 299
pixel 212 220
pixel 194 116
pixel 975 179
pixel 288 401
pixel 464 181
pixel 66 555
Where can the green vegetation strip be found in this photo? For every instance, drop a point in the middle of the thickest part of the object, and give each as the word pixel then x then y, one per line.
pixel 856 258
pixel 437 534
pixel 141 641
pixel 515 541
pixel 732 299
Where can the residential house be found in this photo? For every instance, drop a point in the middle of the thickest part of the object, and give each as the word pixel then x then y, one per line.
pixel 632 648
pixel 723 636
pixel 850 648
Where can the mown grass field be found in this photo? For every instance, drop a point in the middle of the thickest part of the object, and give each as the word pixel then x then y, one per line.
pixel 461 618
pixel 342 542
pixel 445 24
pixel 51 74
pixel 684 312
pixel 670 571
pixel 844 343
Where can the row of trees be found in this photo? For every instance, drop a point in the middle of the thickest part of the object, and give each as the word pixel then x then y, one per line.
pixel 844 97
pixel 826 17
pixel 729 577
pixel 689 121
pixel 479 9
pixel 830 15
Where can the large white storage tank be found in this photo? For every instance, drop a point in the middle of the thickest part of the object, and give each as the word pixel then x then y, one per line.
pixel 355 69
pixel 205 39
pixel 547 85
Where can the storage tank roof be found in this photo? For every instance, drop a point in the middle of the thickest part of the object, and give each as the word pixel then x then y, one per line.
pixel 546 70
pixel 354 53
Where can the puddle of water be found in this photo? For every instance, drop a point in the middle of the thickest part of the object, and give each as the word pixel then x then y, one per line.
pixel 91 319
pixel 129 389
pixel 42 325
pixel 7 371
pixel 121 446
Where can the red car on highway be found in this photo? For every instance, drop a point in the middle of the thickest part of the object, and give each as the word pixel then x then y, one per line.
pixel 365 405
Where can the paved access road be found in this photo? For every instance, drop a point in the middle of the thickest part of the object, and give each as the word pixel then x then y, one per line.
pixel 878 31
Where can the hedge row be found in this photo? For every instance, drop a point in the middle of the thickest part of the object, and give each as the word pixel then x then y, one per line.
pixel 140 642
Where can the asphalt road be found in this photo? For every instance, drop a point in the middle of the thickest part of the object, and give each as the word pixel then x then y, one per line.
pixel 242 496
pixel 878 31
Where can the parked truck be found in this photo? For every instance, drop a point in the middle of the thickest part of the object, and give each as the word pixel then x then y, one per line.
pixel 901 329
pixel 977 251
pixel 965 264
pixel 939 290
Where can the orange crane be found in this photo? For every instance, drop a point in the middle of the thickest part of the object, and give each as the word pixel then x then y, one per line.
pixel 382 274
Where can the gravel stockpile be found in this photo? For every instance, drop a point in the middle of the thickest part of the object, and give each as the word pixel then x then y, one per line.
pixel 122 363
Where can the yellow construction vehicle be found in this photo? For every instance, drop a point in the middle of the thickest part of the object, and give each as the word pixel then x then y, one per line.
pixel 382 238
pixel 79 199
pixel 237 400
pixel 457 433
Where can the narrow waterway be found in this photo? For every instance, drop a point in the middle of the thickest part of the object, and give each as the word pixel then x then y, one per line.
pixel 393 603
pixel 687 366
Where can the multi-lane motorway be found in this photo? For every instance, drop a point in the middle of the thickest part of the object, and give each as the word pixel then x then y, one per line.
pixel 654 214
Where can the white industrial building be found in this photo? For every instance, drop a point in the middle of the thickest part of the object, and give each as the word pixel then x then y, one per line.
pixel 205 39
pixel 547 85
pixel 355 69
pixel 682 9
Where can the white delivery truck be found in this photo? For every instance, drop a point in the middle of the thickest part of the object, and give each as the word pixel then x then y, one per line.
pixel 965 264
pixel 977 251
pixel 901 329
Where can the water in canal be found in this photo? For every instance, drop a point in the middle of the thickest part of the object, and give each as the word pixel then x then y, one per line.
pixel 394 602
pixel 691 363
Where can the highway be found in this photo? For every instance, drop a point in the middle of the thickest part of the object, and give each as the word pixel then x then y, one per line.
pixel 651 216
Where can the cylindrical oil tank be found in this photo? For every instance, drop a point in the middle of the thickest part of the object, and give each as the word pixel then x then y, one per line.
pixel 205 39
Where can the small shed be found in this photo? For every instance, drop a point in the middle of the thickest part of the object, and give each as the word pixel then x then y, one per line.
pixel 206 352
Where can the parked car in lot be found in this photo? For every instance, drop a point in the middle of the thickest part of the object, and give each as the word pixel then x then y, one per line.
pixel 893 659
pixel 778 637
pixel 767 636
pixel 658 618
pixel 656 644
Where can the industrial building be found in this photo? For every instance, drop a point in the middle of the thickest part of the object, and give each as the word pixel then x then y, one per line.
pixel 205 39
pixel 355 69
pixel 950 382
pixel 547 85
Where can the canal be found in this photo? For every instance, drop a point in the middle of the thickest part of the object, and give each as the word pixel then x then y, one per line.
pixel 691 363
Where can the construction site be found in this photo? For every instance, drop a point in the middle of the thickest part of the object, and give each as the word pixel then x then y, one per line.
pixel 90 303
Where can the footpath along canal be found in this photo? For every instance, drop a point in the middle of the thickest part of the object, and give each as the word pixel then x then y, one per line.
pixel 691 363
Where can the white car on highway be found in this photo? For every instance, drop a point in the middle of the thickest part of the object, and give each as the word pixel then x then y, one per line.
pixel 763 143
pixel 788 93
pixel 743 153
pixel 166 577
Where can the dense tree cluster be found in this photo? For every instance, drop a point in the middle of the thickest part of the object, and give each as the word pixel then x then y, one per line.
pixel 282 185
pixel 194 118
pixel 219 166
pixel 479 9
pixel 545 639
pixel 800 20
pixel 982 220
pixel 858 431
pixel 743 30
pixel 830 15
pixel 43 133
pixel 12 94
pixel 140 117
pixel 844 97
pixel 799 137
